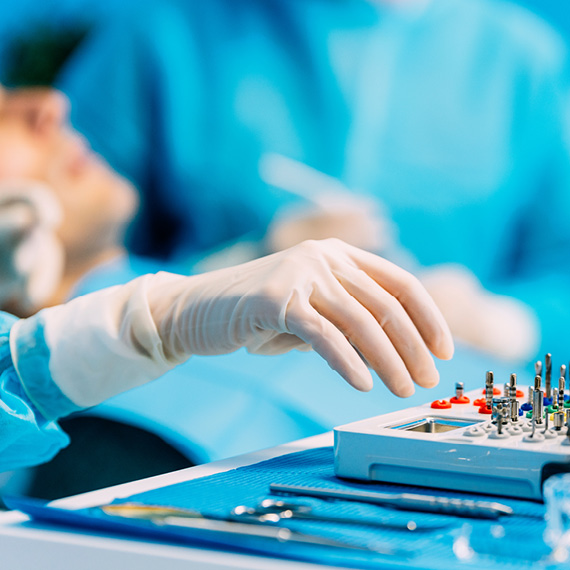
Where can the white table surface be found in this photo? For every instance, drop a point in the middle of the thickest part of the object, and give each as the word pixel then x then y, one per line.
pixel 28 545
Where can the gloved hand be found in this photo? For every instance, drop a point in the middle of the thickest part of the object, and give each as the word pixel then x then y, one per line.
pixel 31 256
pixel 327 209
pixel 339 300
pixel 502 326
pixel 357 220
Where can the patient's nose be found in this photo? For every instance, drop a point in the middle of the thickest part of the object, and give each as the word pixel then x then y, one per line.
pixel 42 108
pixel 48 108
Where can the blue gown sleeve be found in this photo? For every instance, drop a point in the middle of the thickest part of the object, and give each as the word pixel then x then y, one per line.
pixel 27 436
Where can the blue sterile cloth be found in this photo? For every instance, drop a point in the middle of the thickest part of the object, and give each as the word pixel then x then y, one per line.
pixel 520 547
pixel 510 542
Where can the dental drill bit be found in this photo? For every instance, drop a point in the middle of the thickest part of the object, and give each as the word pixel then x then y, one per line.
pixel 514 403
pixel 537 405
pixel 514 411
pixel 489 378
pixel 513 386
pixel 548 375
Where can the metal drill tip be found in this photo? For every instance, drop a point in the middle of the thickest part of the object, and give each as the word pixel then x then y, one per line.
pixel 563 371
pixel 513 380
pixel 537 381
pixel 538 367
pixel 548 362
pixel 489 377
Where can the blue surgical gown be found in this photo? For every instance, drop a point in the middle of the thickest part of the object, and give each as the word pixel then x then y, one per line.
pixel 30 402
pixel 454 115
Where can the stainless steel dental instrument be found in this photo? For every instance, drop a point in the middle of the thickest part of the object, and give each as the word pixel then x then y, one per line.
pixel 187 518
pixel 404 501
pixel 274 511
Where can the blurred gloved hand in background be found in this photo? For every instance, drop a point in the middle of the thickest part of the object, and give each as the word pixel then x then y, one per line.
pixel 502 326
pixel 31 256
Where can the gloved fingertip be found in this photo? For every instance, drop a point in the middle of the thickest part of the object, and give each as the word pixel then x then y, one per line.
pixel 405 390
pixel 430 381
pixel 400 385
pixel 362 382
pixel 445 347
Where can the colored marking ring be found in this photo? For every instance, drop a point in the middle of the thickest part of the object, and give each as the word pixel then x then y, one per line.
pixel 440 404
pixel 461 400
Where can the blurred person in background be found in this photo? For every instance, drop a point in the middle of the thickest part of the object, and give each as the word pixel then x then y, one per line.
pixel 452 115
pixel 63 214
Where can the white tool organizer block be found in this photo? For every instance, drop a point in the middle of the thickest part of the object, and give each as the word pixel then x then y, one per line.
pixel 457 448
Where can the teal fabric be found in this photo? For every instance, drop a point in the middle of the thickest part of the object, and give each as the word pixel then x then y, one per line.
pixel 26 436
pixel 455 117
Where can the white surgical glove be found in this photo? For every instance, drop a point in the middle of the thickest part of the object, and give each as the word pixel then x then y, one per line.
pixel 31 256
pixel 341 301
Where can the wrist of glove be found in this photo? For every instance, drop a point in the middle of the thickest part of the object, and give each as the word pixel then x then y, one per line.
pixel 350 306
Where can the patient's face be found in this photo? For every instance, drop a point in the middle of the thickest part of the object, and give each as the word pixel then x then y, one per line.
pixel 36 142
